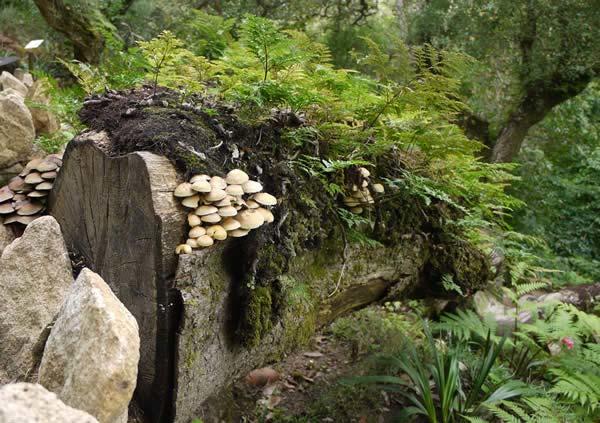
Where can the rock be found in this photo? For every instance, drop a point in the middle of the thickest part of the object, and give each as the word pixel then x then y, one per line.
pixel 16 130
pixel 6 237
pixel 30 403
pixel 27 79
pixel 35 276
pixel 10 172
pixel 91 357
pixel 7 80
pixel 487 306
pixel 45 121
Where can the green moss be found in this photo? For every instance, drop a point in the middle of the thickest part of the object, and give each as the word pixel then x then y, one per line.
pixel 256 321
pixel 468 266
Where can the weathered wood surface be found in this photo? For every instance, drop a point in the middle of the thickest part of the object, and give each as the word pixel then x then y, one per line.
pixel 120 216
pixel 209 359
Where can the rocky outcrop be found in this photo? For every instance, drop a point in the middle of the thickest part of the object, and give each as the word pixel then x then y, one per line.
pixel 91 357
pixel 16 130
pixel 29 403
pixel 35 276
pixel 6 237
pixel 45 121
pixel 7 80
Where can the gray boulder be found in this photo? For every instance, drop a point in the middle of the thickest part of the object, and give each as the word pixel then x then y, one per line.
pixel 16 130
pixel 30 403
pixel 6 237
pixel 45 121
pixel 35 276
pixel 91 357
pixel 7 80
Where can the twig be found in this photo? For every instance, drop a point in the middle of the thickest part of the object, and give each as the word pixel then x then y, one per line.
pixel 344 262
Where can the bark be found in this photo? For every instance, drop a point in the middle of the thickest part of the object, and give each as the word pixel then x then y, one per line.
pixel 537 102
pixel 85 26
pixel 120 216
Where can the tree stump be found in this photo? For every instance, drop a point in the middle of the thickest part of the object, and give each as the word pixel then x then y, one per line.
pixel 119 215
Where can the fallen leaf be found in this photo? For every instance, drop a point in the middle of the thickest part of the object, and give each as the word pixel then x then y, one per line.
pixel 263 376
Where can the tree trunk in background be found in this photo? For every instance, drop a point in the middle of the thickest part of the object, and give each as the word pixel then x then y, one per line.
pixel 538 101
pixel 82 23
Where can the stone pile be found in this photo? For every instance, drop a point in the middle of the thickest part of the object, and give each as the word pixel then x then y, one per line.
pixel 361 197
pixel 24 198
pixel 223 208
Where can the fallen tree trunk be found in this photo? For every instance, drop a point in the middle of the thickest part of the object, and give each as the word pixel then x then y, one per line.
pixel 208 317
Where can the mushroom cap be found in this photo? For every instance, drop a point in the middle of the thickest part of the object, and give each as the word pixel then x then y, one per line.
pixel 192 242
pixel 267 215
pixel 227 211
pixel 356 210
pixel 230 224
pixel 17 183
pixel 194 220
pixel 364 172
pixel 15 218
pixel 32 164
pixel 218 182
pixel 225 201
pixel 237 177
pixel 55 158
pixel 50 175
pixel 19 197
pixel 44 186
pixel 45 166
pixel 197 232
pixel 251 204
pixel 211 218
pixel 252 187
pixel 265 199
pixel 37 194
pixel 197 178
pixel 238 233
pixel 6 194
pixel 184 190
pixel 34 178
pixel 6 208
pixel 191 202
pixel 206 210
pixel 351 202
pixel 365 183
pixel 201 186
pixel 218 232
pixel 215 195
pixel 30 208
pixel 183 249
pixel 235 190
pixel 378 188
pixel 361 195
pixel 205 241
pixel 250 219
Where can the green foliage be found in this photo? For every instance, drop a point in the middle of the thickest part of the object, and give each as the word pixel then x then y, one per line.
pixel 378 330
pixel 447 397
pixel 561 159
pixel 571 375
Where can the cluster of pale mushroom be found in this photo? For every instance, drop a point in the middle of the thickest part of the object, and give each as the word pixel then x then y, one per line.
pixel 222 208
pixel 361 197
pixel 24 198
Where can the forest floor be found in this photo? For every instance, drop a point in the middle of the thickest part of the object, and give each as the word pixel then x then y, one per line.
pixel 315 384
